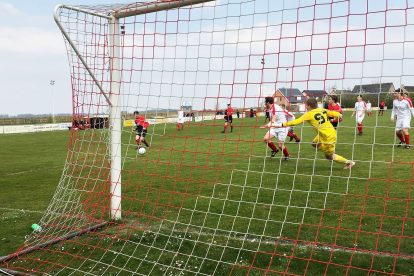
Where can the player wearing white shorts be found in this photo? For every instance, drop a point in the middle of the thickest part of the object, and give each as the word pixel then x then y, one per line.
pixel 180 119
pixel 290 117
pixel 277 116
pixel 403 110
pixel 360 108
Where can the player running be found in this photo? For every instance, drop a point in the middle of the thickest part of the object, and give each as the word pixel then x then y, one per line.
pixel 277 116
pixel 228 118
pixel 141 128
pixel 403 110
pixel 333 105
pixel 325 139
pixel 290 117
pixel 360 109
pixel 180 119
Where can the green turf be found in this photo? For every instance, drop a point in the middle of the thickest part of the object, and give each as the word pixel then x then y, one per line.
pixel 30 166
pixel 213 203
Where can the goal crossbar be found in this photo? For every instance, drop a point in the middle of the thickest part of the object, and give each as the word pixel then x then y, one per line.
pixel 155 7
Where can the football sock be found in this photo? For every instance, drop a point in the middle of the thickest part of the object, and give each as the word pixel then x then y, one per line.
pixel 178 127
pixel 360 127
pixel 272 146
pixel 400 136
pixel 340 159
pixel 145 142
pixel 407 139
pixel 285 151
pixel 296 137
pixel 138 141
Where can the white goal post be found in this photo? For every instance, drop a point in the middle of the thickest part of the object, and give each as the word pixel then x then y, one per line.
pixel 115 119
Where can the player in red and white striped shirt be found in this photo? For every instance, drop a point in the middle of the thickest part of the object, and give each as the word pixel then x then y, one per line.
pixel 277 116
pixel 360 109
pixel 290 117
pixel 402 108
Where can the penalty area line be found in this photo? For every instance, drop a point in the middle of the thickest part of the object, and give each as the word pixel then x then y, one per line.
pixel 29 171
pixel 22 210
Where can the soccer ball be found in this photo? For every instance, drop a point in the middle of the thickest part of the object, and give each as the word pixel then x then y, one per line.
pixel 142 151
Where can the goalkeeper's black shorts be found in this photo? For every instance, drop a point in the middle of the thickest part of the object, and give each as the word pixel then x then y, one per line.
pixel 228 118
pixel 141 131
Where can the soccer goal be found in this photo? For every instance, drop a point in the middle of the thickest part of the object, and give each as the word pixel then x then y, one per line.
pixel 202 202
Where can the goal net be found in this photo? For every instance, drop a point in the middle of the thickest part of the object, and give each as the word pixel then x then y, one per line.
pixel 200 201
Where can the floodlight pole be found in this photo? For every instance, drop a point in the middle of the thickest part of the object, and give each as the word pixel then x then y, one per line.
pixel 52 83
pixel 286 77
pixel 115 120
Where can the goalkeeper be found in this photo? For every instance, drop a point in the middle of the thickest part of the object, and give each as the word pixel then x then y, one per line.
pixel 325 139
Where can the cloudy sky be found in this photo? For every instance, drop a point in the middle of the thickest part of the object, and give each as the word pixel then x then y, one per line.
pixel 32 53
pixel 362 41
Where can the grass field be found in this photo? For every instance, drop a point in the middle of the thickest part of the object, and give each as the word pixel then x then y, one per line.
pixel 203 202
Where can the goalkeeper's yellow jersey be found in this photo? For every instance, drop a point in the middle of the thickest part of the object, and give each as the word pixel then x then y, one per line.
pixel 318 118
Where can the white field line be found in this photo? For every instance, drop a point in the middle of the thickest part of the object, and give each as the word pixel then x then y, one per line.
pixel 22 210
pixel 28 171
pixel 181 234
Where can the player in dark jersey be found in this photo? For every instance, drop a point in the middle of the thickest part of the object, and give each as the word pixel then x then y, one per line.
pixel 228 118
pixel 141 128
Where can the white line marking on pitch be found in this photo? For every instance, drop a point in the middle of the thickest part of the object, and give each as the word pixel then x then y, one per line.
pixel 22 210
pixel 28 171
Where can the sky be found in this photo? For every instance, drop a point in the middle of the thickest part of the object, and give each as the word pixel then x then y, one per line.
pixel 32 52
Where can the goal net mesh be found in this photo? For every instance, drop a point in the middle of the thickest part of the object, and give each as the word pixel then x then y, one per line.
pixel 204 202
